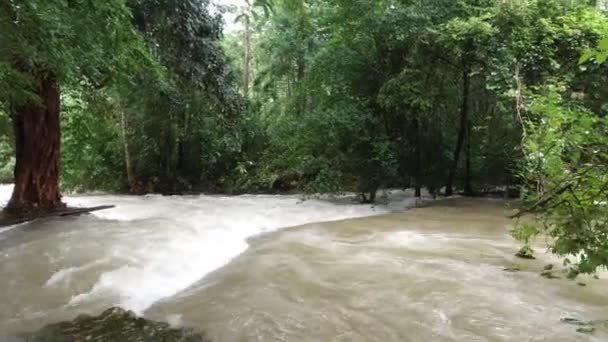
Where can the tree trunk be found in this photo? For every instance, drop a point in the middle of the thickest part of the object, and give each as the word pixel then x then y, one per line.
pixel 418 160
pixel 369 197
pixel 301 95
pixel 247 57
pixel 37 147
pixel 464 113
pixel 133 187
pixel 372 195
pixel 302 35
pixel 468 189
pixel 289 86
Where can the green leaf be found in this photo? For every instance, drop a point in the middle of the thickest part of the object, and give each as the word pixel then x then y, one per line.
pixel 603 44
pixel 586 56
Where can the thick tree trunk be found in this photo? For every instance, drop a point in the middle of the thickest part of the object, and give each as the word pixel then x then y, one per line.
pixel 464 113
pixel 37 147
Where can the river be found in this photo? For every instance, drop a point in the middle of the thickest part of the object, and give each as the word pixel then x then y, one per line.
pixel 231 267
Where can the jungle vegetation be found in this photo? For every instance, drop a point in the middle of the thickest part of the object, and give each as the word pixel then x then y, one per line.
pixel 467 96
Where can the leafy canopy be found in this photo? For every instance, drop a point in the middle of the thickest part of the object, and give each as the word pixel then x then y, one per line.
pixel 76 40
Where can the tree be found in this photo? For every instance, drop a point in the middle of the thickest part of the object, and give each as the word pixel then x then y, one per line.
pixel 565 171
pixel 46 45
pixel 466 40
pixel 566 152
pixel 340 93
pixel 185 129
pixel 247 16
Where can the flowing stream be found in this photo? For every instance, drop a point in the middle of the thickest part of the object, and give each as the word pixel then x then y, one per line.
pixel 229 266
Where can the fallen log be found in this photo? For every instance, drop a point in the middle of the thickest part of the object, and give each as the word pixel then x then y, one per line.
pixel 10 220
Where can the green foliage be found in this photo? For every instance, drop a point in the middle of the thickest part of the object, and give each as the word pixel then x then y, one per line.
pixel 346 95
pixel 7 158
pixel 92 154
pixel 142 80
pixel 85 46
pixel 7 161
pixel 599 55
pixel 566 172
pixel 249 13
pixel 525 232
pixel 78 41
pixel 183 131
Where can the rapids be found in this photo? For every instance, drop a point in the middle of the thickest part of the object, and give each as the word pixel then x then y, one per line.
pixel 144 250
pixel 228 266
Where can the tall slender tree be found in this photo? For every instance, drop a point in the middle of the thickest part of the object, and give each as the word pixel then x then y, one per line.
pixel 248 16
pixel 466 40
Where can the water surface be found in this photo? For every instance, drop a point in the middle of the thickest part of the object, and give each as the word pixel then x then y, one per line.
pixel 146 249
pixel 230 267
pixel 428 274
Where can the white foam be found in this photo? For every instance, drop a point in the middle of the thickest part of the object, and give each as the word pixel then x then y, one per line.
pixel 155 246
pixel 5 193
pixel 60 276
pixel 6 229
pixel 66 273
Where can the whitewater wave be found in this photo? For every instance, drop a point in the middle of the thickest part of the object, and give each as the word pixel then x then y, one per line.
pixel 152 247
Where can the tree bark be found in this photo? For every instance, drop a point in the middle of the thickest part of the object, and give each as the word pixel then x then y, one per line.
pixel 302 37
pixel 369 197
pixel 133 188
pixel 301 95
pixel 464 113
pixel 468 189
pixel 37 147
pixel 418 160
pixel 247 57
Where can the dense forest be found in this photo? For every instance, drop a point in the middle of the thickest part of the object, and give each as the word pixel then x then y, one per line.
pixel 468 96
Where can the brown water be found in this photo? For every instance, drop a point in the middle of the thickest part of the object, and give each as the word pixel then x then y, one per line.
pixel 430 274
pixel 427 274
pixel 146 249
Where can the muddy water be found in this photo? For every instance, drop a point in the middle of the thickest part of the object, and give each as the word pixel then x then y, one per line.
pixel 146 249
pixel 228 266
pixel 430 274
